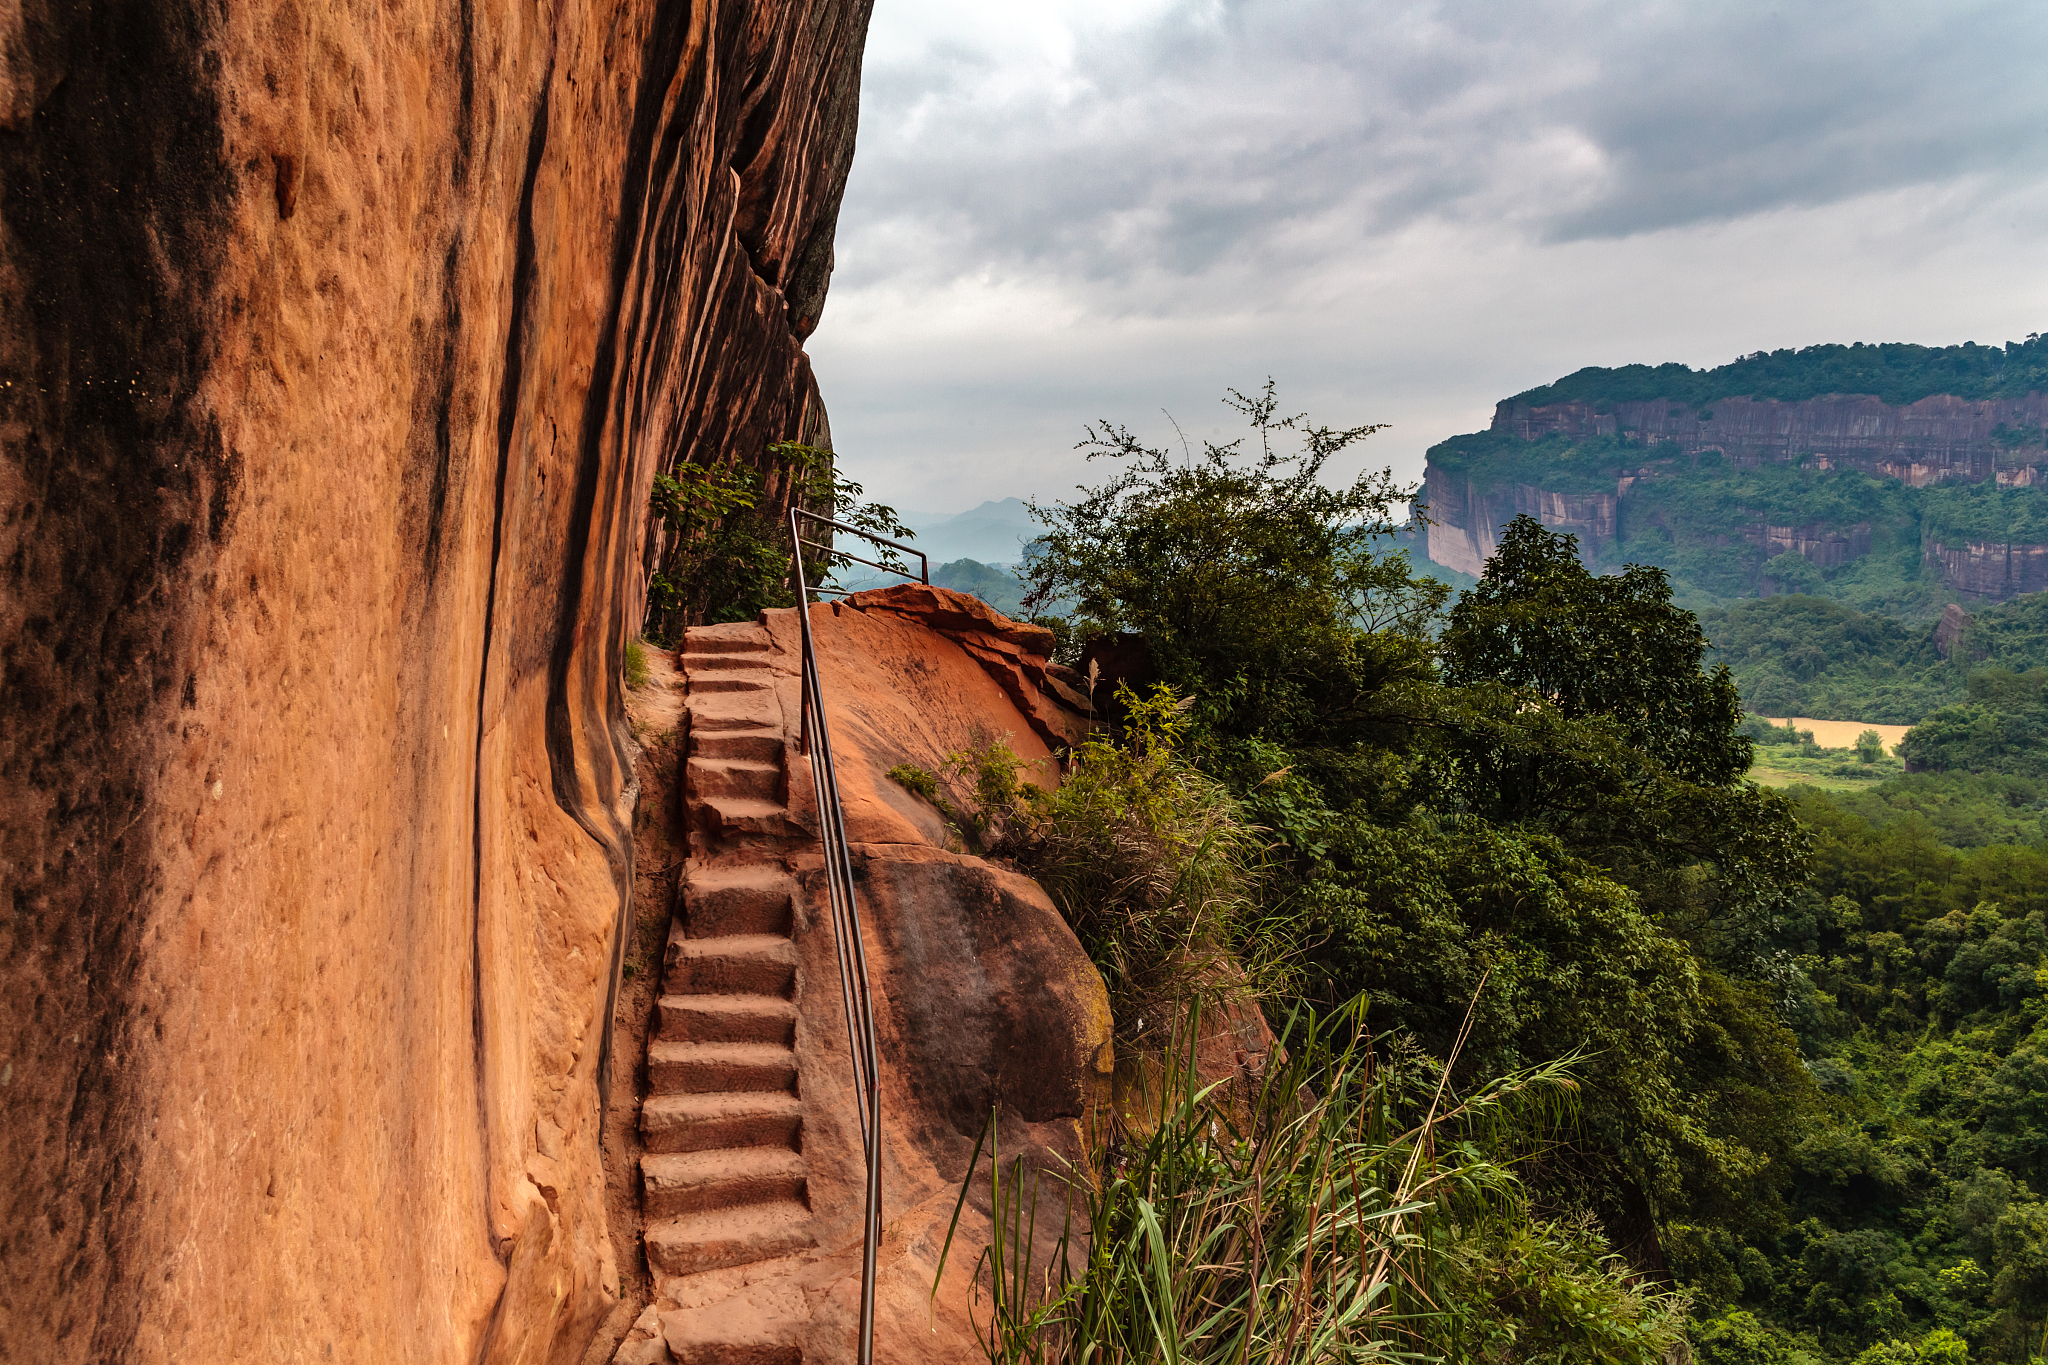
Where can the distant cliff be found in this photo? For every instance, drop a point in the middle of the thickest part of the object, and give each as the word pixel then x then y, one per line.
pixel 1897 498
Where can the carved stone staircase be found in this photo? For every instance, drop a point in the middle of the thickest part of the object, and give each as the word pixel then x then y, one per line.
pixel 723 1183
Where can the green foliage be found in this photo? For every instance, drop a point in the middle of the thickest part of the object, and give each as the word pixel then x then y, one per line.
pixel 1981 738
pixel 1542 795
pixel 726 552
pixel 1963 810
pixel 1254 583
pixel 1738 1338
pixel 1147 858
pixel 1612 647
pixel 1911 1228
pixel 1956 513
pixel 1896 372
pixel 636 664
pixel 1557 462
pixel 1869 746
pixel 999 587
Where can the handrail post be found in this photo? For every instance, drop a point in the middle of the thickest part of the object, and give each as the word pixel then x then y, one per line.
pixel 814 740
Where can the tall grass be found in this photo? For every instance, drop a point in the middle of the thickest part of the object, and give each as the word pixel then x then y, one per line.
pixel 1313 1224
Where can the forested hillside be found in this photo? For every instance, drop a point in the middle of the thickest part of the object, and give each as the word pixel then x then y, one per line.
pixel 1896 372
pixel 1802 655
pixel 1890 478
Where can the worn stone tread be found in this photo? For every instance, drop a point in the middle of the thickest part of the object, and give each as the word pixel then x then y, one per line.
pixel 708 1122
pixel 674 1183
pixel 694 1242
pixel 707 1068
pixel 726 1019
pixel 732 964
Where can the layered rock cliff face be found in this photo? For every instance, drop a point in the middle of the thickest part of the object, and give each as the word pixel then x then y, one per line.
pixel 1466 517
pixel 1920 443
pixel 338 347
pixel 1644 446
pixel 1993 570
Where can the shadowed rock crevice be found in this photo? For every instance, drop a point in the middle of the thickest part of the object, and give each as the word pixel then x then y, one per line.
pixel 117 487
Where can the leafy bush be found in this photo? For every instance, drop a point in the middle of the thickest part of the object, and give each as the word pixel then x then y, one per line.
pixel 1978 738
pixel 725 543
pixel 1146 857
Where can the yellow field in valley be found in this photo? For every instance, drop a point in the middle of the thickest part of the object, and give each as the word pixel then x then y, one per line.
pixel 1841 734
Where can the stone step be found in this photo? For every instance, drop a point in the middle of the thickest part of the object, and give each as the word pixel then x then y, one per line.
pixel 695 1242
pixel 702 684
pixel 703 1123
pixel 714 1068
pixel 673 1183
pixel 727 1019
pixel 731 815
pixel 758 746
pixel 735 637
pixel 693 662
pixel 723 1350
pixel 756 899
pixel 736 711
pixel 743 778
pixel 756 1326
pixel 734 964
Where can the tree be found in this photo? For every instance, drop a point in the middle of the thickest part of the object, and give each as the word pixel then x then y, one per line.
pixel 1257 588
pixel 1870 746
pixel 1611 646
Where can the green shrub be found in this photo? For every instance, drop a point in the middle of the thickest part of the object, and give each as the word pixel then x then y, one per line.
pixel 725 541
pixel 1145 856
pixel 636 664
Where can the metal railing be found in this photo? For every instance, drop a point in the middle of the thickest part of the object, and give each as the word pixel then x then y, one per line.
pixel 814 740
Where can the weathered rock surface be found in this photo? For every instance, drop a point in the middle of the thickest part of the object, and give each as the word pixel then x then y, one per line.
pixel 338 347
pixel 1466 517
pixel 1949 629
pixel 753 1185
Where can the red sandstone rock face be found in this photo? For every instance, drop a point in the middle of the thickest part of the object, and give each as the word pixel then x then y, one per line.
pixel 1949 629
pixel 1936 439
pixel 338 347
pixel 1465 520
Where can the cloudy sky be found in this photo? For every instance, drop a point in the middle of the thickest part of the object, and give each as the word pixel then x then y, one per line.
pixel 1401 211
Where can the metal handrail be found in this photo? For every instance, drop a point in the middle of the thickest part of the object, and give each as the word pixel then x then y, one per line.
pixel 814 740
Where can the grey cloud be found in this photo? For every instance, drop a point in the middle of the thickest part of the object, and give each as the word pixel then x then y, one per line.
pixel 1270 135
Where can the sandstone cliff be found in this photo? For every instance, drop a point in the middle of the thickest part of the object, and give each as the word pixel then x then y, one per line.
pixel 338 347
pixel 1611 472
